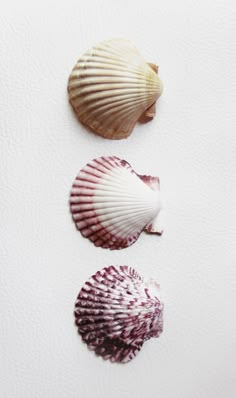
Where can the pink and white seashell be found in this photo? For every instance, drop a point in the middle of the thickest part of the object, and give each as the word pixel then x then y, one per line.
pixel 116 311
pixel 111 204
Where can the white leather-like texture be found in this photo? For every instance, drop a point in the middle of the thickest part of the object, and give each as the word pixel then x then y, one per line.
pixel 190 145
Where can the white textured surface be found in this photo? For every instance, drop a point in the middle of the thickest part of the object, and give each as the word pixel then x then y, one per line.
pixel 190 145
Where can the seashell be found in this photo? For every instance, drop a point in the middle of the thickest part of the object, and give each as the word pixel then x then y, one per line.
pixel 111 204
pixel 116 311
pixel 111 87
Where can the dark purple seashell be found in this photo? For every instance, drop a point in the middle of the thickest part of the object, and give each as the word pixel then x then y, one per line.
pixel 116 311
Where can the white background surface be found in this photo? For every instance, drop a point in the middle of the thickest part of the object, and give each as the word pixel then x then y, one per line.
pixel 190 145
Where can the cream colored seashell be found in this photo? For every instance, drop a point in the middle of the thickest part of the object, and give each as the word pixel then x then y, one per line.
pixel 112 86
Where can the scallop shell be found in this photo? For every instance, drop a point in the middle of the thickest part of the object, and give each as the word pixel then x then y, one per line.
pixel 111 87
pixel 116 311
pixel 111 204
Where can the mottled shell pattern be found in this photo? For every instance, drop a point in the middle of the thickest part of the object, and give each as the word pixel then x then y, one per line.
pixel 111 204
pixel 116 311
pixel 111 87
